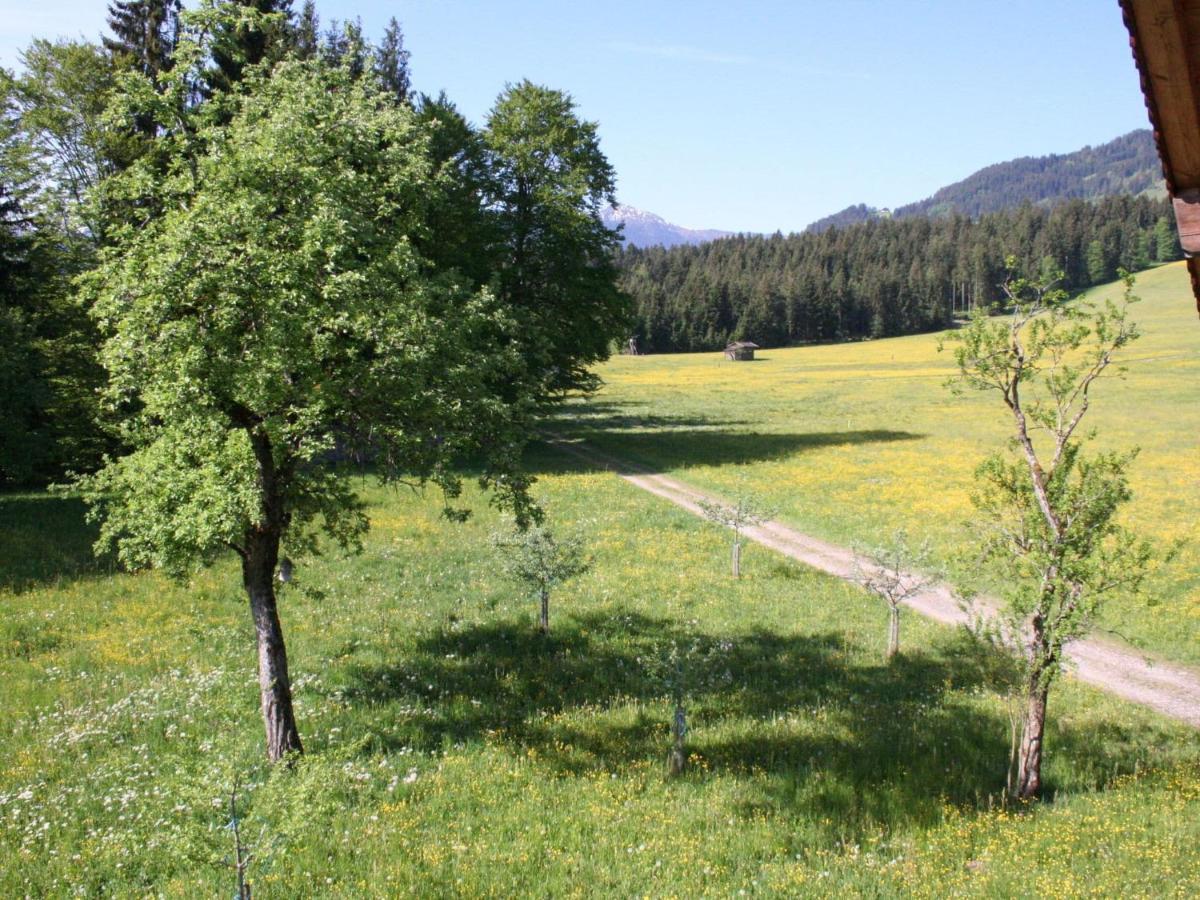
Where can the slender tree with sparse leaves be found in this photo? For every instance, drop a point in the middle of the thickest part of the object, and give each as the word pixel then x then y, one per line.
pixel 746 511
pixel 538 559
pixel 1047 511
pixel 895 573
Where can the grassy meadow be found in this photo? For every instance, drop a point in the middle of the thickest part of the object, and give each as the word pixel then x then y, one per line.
pixel 851 441
pixel 452 751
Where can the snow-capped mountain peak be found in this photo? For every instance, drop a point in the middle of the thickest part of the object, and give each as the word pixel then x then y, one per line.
pixel 645 229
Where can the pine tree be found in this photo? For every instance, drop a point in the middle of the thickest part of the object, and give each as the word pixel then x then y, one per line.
pixel 1166 247
pixel 248 44
pixel 144 32
pixel 391 62
pixel 1097 265
pixel 1141 251
pixel 345 47
pixel 306 36
pixel 22 387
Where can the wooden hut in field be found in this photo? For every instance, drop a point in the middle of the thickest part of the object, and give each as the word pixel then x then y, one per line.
pixel 1165 38
pixel 740 350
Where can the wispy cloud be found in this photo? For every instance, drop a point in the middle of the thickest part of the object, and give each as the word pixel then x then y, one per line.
pixel 682 53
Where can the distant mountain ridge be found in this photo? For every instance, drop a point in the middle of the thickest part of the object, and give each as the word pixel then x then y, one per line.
pixel 1125 165
pixel 645 229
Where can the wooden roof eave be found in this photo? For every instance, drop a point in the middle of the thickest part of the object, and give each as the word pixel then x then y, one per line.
pixel 1164 36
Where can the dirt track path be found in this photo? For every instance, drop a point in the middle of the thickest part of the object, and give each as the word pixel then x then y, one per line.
pixel 1165 687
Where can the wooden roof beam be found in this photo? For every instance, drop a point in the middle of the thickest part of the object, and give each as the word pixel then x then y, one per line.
pixel 1165 38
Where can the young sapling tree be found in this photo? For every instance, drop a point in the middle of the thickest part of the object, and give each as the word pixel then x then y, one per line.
pixel 676 683
pixel 243 855
pixel 746 511
pixel 534 557
pixel 683 669
pixel 1047 512
pixel 895 573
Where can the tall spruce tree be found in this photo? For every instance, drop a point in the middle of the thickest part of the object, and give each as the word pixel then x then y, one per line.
pixel 22 387
pixel 391 62
pixel 344 46
pixel 266 35
pixel 144 33
pixel 1097 264
pixel 1166 245
pixel 53 151
pixel 306 36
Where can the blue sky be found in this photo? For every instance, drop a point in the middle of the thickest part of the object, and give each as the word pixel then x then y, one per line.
pixel 759 116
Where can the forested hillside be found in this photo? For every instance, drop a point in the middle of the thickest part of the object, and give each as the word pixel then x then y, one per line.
pixel 1126 165
pixel 851 215
pixel 879 278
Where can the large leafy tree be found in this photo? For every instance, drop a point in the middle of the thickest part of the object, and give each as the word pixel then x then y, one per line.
pixel 60 98
pixel 462 234
pixel 52 151
pixel 550 180
pixel 275 314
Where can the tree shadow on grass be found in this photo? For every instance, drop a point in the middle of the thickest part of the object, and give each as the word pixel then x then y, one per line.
pixel 597 415
pixel 813 735
pixel 45 540
pixel 634 452
pixel 647 441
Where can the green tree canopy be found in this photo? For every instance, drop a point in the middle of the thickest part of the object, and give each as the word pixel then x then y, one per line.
pixel 549 182
pixel 1048 511
pixel 275 315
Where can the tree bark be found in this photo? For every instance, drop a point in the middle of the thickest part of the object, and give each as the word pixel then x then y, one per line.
pixel 544 617
pixel 275 688
pixel 1029 762
pixel 677 759
pixel 737 559
pixel 260 556
pixel 893 646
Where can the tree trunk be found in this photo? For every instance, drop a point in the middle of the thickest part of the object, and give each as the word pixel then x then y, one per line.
pixel 893 646
pixel 275 689
pixel 737 558
pixel 677 760
pixel 544 617
pixel 1029 762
